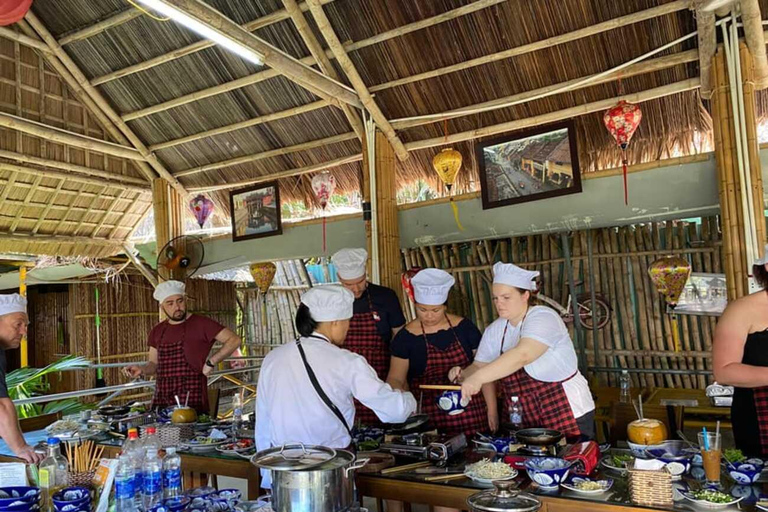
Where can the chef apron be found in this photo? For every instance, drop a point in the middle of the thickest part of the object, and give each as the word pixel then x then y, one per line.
pixel 363 338
pixel 543 404
pixel 175 377
pixel 749 411
pixel 439 363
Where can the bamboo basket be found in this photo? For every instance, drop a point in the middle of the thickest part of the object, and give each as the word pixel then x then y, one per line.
pixel 84 479
pixel 651 488
pixel 171 435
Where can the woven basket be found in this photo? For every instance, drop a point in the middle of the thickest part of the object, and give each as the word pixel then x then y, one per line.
pixel 650 487
pixel 82 479
pixel 171 435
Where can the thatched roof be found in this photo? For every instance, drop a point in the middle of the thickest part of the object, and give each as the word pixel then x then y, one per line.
pixel 171 107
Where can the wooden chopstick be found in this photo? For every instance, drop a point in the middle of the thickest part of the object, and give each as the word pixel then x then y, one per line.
pixel 407 467
pixel 442 478
pixel 445 387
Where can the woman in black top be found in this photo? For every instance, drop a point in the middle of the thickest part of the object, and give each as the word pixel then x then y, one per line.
pixel 740 359
pixel 427 348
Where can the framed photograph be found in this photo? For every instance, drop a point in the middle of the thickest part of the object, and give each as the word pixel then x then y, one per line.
pixel 704 294
pixel 255 211
pixel 529 165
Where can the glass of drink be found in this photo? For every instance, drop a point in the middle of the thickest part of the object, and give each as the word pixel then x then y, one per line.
pixel 709 442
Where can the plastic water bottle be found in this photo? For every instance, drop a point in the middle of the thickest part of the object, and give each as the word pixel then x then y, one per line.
pixel 237 411
pixel 152 481
pixel 151 439
pixel 515 413
pixel 134 449
pixel 171 474
pixel 52 474
pixel 125 493
pixel 624 384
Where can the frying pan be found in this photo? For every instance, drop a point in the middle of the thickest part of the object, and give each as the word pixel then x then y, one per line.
pixel 412 424
pixel 539 436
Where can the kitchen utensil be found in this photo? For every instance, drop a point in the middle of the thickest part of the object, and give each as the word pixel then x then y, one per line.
pixel 440 387
pixel 539 436
pixel 406 467
pixel 503 498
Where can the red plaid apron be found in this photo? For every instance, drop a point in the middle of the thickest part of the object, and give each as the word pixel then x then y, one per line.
pixel 543 404
pixel 760 396
pixel 439 363
pixel 363 338
pixel 176 377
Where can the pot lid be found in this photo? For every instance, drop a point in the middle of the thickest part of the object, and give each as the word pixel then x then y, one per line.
pixel 503 498
pixel 293 457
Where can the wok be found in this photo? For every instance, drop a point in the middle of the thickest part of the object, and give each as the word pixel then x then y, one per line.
pixel 539 436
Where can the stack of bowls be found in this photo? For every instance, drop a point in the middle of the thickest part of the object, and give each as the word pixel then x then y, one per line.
pixel 19 499
pixel 224 500
pixel 676 455
pixel 72 499
pixel 200 499
pixel 747 472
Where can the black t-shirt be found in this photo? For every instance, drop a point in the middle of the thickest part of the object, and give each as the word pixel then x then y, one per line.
pixel 3 385
pixel 407 345
pixel 387 306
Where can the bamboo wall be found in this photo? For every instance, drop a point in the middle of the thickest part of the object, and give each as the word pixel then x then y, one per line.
pixel 49 330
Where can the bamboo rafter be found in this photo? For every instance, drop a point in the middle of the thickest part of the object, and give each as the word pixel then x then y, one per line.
pixel 74 178
pixel 87 212
pixel 27 199
pixel 105 216
pixel 49 207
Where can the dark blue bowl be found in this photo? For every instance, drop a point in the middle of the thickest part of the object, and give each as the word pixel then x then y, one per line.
pixel 227 495
pixel 10 495
pixel 177 504
pixel 71 495
pixel 21 506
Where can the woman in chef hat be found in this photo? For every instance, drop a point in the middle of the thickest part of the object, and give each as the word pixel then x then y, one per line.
pixel 306 389
pixel 428 347
pixel 531 352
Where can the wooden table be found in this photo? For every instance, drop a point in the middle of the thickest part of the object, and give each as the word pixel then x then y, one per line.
pixel 701 415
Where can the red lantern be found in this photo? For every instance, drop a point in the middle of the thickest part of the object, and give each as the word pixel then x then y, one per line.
pixel 323 185
pixel 12 11
pixel 622 121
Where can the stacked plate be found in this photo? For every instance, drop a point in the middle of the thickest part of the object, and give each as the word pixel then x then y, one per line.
pixel 72 499
pixel 19 499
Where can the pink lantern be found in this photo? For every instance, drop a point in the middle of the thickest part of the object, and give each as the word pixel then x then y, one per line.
pixel 622 121
pixel 323 185
pixel 201 207
pixel 12 11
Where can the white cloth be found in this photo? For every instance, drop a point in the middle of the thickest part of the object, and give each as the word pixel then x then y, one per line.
pixel 559 362
pixel 169 289
pixel 431 286
pixel 764 260
pixel 350 263
pixel 290 410
pixel 512 275
pixel 12 303
pixel 329 303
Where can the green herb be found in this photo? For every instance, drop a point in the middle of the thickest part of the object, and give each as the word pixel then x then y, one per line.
pixel 712 496
pixel 734 455
pixel 204 418
pixel 622 460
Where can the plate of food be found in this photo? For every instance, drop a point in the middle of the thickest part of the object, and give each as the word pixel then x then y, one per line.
pixel 587 485
pixel 619 462
pixel 70 429
pixel 201 444
pixel 239 446
pixel 485 471
pixel 710 498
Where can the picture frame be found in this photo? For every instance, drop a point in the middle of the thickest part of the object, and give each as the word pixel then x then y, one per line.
pixel 529 165
pixel 255 211
pixel 705 294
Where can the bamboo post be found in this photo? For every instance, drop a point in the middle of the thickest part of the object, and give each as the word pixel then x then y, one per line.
pixel 390 265
pixel 169 224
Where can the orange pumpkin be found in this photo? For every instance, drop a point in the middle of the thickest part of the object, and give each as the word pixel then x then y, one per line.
pixel 647 431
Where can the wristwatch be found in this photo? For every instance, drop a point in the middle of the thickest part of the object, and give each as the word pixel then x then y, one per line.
pixel 209 363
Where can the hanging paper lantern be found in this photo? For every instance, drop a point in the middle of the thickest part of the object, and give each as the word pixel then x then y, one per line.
pixel 406 278
pixel 201 207
pixel 323 185
pixel 447 164
pixel 12 11
pixel 669 275
pixel 263 273
pixel 622 121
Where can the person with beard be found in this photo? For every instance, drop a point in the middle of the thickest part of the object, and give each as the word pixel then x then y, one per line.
pixel 13 326
pixel 179 350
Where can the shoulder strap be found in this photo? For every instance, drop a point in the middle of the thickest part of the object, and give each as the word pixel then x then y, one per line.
pixel 313 379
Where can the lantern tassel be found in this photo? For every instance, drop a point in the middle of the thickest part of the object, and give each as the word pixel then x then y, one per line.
pixel 626 188
pixel 324 247
pixel 455 209
pixel 675 334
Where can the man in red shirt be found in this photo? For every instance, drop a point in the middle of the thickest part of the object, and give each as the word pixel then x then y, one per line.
pixel 179 350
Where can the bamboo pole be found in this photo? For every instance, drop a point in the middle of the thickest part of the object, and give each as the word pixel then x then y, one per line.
pixel 628 241
pixel 678 239
pixel 97 28
pixel 7 33
pixel 699 331
pixel 103 182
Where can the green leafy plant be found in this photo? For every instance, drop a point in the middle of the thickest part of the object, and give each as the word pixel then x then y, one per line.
pixel 29 382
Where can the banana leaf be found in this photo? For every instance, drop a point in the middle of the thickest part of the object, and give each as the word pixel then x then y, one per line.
pixel 29 382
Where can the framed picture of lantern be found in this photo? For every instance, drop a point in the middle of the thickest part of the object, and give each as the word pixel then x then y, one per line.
pixel 529 165
pixel 255 211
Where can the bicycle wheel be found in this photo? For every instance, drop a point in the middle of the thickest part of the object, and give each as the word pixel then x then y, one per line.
pixel 602 313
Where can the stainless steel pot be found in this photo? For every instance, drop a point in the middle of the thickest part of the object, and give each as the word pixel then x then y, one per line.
pixel 324 487
pixel 503 498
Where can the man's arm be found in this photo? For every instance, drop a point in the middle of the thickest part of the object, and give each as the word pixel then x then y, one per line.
pixel 10 432
pixel 231 342
pixel 148 369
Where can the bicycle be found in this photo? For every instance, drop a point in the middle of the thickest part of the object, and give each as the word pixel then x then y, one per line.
pixel 584 304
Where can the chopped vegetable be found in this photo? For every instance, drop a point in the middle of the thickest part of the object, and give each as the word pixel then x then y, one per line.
pixel 486 469
pixel 621 461
pixel 203 418
pixel 588 485
pixel 712 496
pixel 734 455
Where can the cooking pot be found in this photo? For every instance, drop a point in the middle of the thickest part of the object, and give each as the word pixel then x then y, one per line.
pixel 310 478
pixel 503 498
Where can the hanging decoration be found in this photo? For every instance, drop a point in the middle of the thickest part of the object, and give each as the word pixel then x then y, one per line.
pixel 323 185
pixel 669 275
pixel 622 121
pixel 447 164
pixel 12 11
pixel 201 207
pixel 405 279
pixel 263 273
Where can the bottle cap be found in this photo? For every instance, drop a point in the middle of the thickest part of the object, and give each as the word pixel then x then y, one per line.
pixel 151 430
pixel 52 441
pixel 133 434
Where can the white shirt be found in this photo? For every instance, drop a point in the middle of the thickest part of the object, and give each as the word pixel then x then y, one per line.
pixel 559 362
pixel 290 410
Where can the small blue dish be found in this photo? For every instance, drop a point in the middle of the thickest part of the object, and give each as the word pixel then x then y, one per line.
pixel 201 492
pixel 221 506
pixel 451 403
pixel 177 504
pixel 84 506
pixel 227 495
pixel 499 444
pixel 71 495
pixel 200 503
pixel 748 493
pixel 548 472
pixel 744 473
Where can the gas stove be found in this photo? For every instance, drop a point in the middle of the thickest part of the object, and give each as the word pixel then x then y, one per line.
pixel 425 445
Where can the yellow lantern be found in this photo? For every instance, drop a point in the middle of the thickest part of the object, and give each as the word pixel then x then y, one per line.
pixel 263 273
pixel 447 164
pixel 669 274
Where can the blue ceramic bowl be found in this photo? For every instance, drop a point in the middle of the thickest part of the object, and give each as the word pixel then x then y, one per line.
pixel 450 403
pixel 640 451
pixel 81 506
pixel 199 503
pixel 548 472
pixel 227 495
pixel 9 495
pixel 748 493
pixel 744 473
pixel 20 506
pixel 71 495
pixel 177 504
pixel 201 492
pixel 676 455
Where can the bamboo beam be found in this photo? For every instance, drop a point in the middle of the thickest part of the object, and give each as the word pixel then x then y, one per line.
pixel 25 40
pixel 346 64
pixel 105 216
pixel 629 19
pixel 27 199
pixel 102 106
pixel 60 239
pixel 49 207
pixel 268 154
pixel 148 275
pixel 88 211
pixel 323 61
pixel 98 28
pixel 753 33
pixel 291 68
pixel 99 182
pixel 169 224
pixel 707 38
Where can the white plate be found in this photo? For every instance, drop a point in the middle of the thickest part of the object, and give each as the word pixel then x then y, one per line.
pixel 709 504
pixel 762 505
pixel 608 463
pixel 606 485
pixel 489 481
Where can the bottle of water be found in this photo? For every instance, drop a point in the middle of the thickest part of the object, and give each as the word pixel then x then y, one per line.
pixel 171 474
pixel 152 440
pixel 52 474
pixel 515 413
pixel 152 481
pixel 624 384
pixel 237 411
pixel 125 493
pixel 134 449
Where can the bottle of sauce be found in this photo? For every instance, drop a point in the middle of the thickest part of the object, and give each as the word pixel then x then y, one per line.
pixel 53 473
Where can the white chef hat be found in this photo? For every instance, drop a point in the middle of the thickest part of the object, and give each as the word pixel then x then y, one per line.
pixel 329 303
pixel 764 260
pixel 431 286
pixel 168 289
pixel 350 263
pixel 12 303
pixel 512 275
